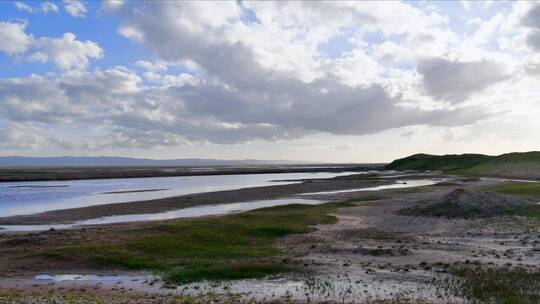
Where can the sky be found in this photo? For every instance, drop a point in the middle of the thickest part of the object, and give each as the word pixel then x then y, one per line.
pixel 316 81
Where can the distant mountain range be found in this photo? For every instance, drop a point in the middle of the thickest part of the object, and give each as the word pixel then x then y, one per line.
pixel 108 161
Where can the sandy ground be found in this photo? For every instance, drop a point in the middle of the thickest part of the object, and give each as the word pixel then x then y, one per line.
pixel 371 254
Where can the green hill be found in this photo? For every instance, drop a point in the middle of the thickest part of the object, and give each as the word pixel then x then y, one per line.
pixel 435 162
pixel 514 165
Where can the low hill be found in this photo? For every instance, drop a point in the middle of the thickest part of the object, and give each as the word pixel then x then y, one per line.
pixel 462 203
pixel 516 165
pixel 435 162
pixel 512 165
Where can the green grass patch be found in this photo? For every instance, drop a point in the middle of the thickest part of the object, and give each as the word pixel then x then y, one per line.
pixel 212 271
pixel 499 285
pixel 212 248
pixel 521 189
pixel 525 190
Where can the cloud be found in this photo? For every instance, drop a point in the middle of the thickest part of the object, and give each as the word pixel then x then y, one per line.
pixel 151 66
pixel 112 5
pixel 23 7
pixel 75 8
pixel 532 20
pixel 532 17
pixel 466 5
pixel 66 52
pixel 49 7
pixel 20 136
pixel 533 40
pixel 45 7
pixel 237 72
pixel 13 39
pixel 260 106
pixel 456 81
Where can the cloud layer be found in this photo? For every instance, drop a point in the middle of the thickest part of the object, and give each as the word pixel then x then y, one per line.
pixel 231 72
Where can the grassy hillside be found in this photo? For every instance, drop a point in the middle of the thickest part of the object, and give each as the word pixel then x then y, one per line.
pixel 435 162
pixel 515 165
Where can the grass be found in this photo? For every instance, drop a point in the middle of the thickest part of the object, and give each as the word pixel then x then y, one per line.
pixel 499 285
pixel 525 165
pixel 525 190
pixel 434 162
pixel 518 165
pixel 213 248
pixel 88 297
pixel 521 189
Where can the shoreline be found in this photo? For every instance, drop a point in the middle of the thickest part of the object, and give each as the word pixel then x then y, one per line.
pixel 83 173
pixel 67 216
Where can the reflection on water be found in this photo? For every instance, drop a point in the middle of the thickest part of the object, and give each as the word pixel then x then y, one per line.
pixel 204 210
pixel 18 198
pixel 79 277
pixel 397 185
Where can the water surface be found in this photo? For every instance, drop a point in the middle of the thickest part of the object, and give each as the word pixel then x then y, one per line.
pixel 397 185
pixel 205 210
pixel 21 198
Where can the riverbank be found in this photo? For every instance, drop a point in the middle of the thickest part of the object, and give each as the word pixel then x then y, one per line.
pixel 64 216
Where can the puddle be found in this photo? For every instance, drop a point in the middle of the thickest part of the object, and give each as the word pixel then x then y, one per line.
pixel 358 288
pixel 79 277
pixel 31 228
pixel 397 185
pixel 134 191
pixel 38 186
pixel 510 180
pixel 199 211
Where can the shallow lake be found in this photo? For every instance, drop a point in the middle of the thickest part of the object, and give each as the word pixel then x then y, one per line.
pixel 20 198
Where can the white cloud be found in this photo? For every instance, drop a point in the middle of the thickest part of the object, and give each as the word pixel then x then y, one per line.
pixel 13 39
pixel 466 5
pixel 21 136
pixel 151 66
pixel 23 7
pixel 75 8
pixel 112 5
pixel 45 7
pixel 251 71
pixel 66 52
pixel 49 7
